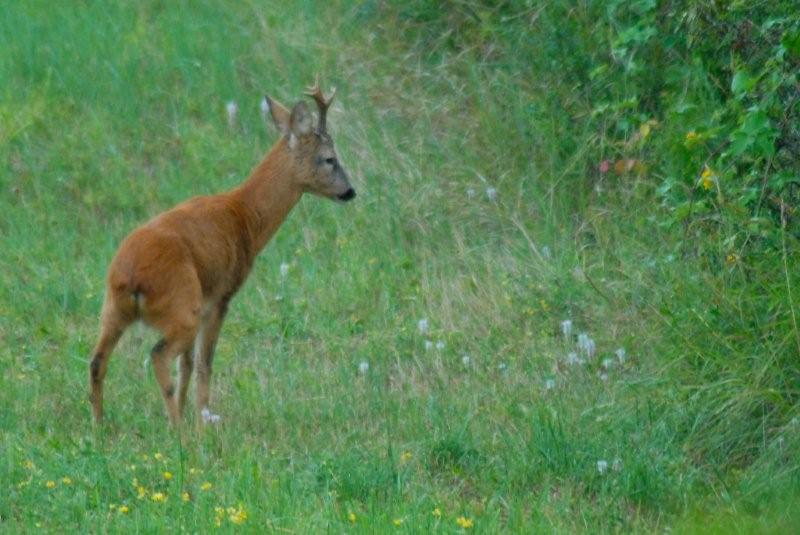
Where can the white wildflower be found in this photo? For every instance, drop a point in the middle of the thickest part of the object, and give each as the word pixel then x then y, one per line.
pixel 208 416
pixel 502 366
pixel 264 108
pixel 231 109
pixel 284 269
pixel 546 252
pixel 572 358
pixel 422 326
pixel 549 384
pixel 582 338
pixel 439 345
pixel 620 353
pixel 465 360
pixel 470 193
pixel 586 345
pixel 363 367
pixel 602 466
pixel 603 376
pixel 607 363
pixel 617 465
pixel 566 328
pixel 491 193
pixel 428 345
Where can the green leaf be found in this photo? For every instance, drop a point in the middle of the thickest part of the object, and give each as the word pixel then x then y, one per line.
pixel 790 41
pixel 742 83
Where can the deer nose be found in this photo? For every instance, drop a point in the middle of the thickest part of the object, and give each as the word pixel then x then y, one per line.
pixel 347 195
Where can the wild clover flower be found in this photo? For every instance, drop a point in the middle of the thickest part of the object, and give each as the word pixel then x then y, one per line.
pixel 465 360
pixel 428 345
pixel 602 466
pixel 491 193
pixel 284 269
pixel 363 367
pixel 620 353
pixel 549 384
pixel 566 328
pixel 607 363
pixel 439 345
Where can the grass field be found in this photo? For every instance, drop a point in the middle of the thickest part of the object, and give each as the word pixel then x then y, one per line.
pixel 396 364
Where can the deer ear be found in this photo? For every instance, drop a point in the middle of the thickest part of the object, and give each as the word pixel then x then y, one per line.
pixel 301 120
pixel 280 115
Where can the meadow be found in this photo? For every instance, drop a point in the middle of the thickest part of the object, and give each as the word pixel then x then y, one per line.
pixel 563 301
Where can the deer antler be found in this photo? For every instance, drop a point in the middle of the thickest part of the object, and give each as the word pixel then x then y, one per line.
pixel 322 103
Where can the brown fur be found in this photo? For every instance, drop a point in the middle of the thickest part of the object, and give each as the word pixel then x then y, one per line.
pixel 178 271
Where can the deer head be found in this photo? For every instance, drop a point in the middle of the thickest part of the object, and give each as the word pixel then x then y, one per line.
pixel 316 167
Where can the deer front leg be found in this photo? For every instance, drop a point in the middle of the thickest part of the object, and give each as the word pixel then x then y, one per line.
pixel 186 365
pixel 206 343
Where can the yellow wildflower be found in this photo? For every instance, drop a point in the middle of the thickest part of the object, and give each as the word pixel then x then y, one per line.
pixel 50 484
pixel 237 516
pixel 157 456
pixel 185 496
pixel 405 457
pixel 167 475
pixel 397 521
pixel 707 178
pixel 141 491
pixel 436 512
pixel 463 522
pixel 731 259
pixel 351 516
pixel 206 486
pixel 66 481
pixel 112 506
pixel 193 471
pixel 691 138
pixel 123 509
pixel 158 497
pixel 28 464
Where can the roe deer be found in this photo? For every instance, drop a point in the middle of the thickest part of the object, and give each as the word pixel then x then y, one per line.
pixel 178 272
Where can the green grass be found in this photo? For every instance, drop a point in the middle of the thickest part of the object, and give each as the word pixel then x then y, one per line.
pixel 111 113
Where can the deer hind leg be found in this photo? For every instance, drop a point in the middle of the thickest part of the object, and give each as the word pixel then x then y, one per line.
pixel 162 356
pixel 112 325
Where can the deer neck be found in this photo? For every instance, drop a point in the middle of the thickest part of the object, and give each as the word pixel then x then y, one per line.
pixel 268 195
